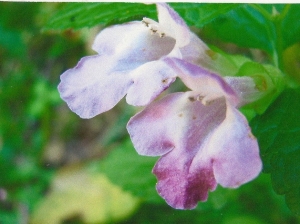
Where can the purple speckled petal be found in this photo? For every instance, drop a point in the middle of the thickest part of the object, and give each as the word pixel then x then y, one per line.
pixel 92 87
pixel 132 44
pixel 180 185
pixel 234 150
pixel 149 80
pixel 178 127
pixel 210 86
pixel 200 146
pixel 173 24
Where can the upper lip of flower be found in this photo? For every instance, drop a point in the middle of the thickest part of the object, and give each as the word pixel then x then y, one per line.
pixel 209 85
pixel 129 59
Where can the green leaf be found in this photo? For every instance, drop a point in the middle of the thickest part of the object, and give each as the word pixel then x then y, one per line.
pixel 244 26
pixel 79 15
pixel 290 25
pixel 268 79
pixel 124 167
pixel 199 14
pixel 278 133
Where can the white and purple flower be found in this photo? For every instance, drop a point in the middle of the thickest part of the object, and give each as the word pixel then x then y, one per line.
pixel 203 140
pixel 129 61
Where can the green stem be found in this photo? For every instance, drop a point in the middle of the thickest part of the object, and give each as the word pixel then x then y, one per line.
pixel 276 38
pixel 277 21
pixel 279 45
pixel 262 11
pixel 270 32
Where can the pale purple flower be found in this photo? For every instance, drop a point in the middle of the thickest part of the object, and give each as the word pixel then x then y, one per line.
pixel 129 61
pixel 203 140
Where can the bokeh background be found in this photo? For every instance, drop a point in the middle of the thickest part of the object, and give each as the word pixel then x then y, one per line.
pixel 58 168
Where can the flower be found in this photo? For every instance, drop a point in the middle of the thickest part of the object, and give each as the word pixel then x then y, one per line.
pixel 203 140
pixel 129 61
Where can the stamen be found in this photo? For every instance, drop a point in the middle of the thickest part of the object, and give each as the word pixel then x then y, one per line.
pixel 192 99
pixel 162 35
pixel 153 31
pixel 200 98
pixel 207 102
pixel 154 27
pixel 145 23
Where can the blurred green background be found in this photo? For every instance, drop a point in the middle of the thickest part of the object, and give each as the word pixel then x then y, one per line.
pixel 58 168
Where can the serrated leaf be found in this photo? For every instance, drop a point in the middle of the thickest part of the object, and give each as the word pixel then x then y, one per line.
pixel 278 133
pixel 124 167
pixel 79 15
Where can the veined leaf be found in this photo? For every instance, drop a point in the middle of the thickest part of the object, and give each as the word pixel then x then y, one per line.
pixel 244 26
pixel 80 15
pixel 278 133
pixel 199 14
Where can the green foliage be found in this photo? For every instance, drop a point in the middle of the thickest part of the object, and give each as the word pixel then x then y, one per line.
pixel 244 26
pixel 278 133
pixel 290 24
pixel 224 206
pixel 199 14
pixel 124 167
pixel 12 42
pixel 79 15
pixel 269 27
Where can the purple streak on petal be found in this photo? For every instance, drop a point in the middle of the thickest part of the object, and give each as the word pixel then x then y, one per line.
pixel 235 151
pixel 132 44
pixel 171 21
pixel 92 87
pixel 149 80
pixel 202 80
pixel 180 187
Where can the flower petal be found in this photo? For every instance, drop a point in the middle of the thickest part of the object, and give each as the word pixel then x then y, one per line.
pixel 179 184
pixel 92 87
pixel 209 85
pixel 196 52
pixel 149 80
pixel 131 44
pixel 246 89
pixel 200 147
pixel 150 132
pixel 173 24
pixel 179 127
pixel 234 150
